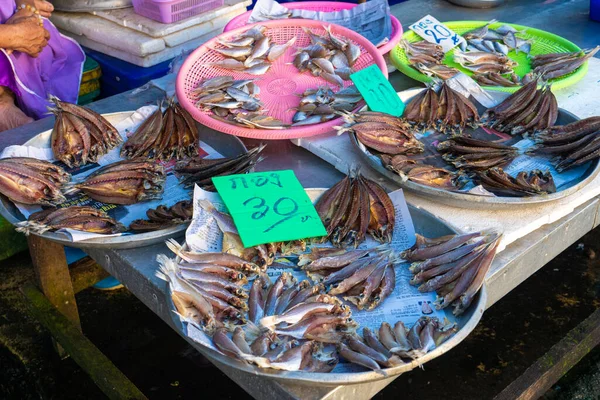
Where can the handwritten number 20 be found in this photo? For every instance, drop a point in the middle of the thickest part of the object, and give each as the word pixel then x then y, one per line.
pixel 441 31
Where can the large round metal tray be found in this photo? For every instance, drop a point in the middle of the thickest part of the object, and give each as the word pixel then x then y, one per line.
pixel 226 145
pixel 425 224
pixel 466 200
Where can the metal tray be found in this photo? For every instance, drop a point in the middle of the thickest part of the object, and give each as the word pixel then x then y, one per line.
pixel 425 224
pixel 227 145
pixel 89 5
pixel 466 200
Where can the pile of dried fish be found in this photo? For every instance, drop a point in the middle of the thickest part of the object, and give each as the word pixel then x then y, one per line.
pixel 483 62
pixel 495 79
pixel 354 207
pixel 468 153
pixel 423 174
pixel 427 58
pixel 382 132
pixel 322 104
pixel 124 182
pixel 223 96
pixel 281 354
pixel 200 171
pixel 454 266
pixel 85 219
pixel 80 135
pixel 573 144
pixel 555 65
pixel 423 52
pixel 207 289
pixel 162 217
pixel 263 255
pixel 251 52
pixel 395 344
pixel 365 277
pixel 528 109
pixel 298 311
pixel 499 40
pixel 448 112
pixel 328 57
pixel 532 183
pixel 164 135
pixel 30 181
pixel 234 102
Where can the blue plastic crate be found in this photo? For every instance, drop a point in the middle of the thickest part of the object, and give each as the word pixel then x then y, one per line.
pixel 119 76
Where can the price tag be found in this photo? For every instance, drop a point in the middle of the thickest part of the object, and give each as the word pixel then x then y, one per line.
pixel 269 207
pixel 434 31
pixel 377 91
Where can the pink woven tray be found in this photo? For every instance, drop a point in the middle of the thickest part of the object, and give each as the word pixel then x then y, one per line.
pixel 279 87
pixel 325 6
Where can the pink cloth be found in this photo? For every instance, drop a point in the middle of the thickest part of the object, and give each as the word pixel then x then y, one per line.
pixel 56 71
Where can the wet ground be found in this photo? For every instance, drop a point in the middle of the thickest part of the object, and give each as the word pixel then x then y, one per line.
pixel 511 336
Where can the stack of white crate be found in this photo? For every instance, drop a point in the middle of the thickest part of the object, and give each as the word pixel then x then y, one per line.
pixel 141 41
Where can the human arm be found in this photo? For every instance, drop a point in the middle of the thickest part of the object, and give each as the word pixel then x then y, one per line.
pixel 24 35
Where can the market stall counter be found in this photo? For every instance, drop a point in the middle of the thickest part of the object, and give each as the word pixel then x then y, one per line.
pixel 523 253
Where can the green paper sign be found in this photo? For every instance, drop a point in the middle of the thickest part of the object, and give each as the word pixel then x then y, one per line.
pixel 377 91
pixel 269 207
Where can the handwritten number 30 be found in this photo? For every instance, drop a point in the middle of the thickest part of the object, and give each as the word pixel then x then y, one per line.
pixel 260 203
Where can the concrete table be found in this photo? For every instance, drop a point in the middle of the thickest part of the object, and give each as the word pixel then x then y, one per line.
pixel 136 268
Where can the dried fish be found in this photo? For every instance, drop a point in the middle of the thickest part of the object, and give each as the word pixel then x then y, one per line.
pixel 200 171
pixel 30 181
pixel 163 217
pixel 80 135
pixel 164 135
pixel 550 66
pixel 458 258
pixel 527 110
pixel 572 145
pixel 124 182
pixel 84 218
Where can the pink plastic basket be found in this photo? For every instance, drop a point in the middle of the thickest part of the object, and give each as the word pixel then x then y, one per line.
pixel 325 6
pixel 169 11
pixel 279 87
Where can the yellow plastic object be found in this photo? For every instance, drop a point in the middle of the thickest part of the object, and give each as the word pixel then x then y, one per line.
pixel 542 43
pixel 88 87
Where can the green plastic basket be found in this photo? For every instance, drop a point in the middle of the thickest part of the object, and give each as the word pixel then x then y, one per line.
pixel 543 43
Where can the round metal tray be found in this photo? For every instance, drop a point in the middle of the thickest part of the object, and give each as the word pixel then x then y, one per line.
pixel 425 224
pixel 226 145
pixel 89 5
pixel 467 200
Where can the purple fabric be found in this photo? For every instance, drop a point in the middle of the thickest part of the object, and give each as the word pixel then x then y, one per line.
pixel 56 71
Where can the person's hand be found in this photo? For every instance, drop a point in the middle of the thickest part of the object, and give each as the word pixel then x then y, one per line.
pixel 20 15
pixel 29 37
pixel 42 7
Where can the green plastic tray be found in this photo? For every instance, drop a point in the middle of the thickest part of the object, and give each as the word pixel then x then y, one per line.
pixel 543 43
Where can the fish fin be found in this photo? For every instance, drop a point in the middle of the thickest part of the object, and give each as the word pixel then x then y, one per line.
pixel 269 322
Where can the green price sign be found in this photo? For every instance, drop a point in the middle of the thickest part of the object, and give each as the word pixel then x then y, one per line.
pixel 269 207
pixel 377 91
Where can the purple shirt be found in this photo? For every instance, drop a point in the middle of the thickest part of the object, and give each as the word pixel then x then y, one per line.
pixel 57 70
